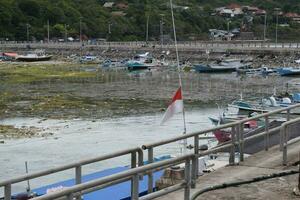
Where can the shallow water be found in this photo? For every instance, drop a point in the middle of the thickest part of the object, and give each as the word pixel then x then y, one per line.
pixel 81 139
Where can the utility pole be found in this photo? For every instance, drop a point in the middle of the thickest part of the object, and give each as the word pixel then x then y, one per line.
pixel 48 31
pixel 162 30
pixel 147 30
pixel 109 34
pixel 66 33
pixel 277 10
pixel 27 31
pixel 80 31
pixel 109 30
pixel 276 28
pixel 80 36
pixel 265 27
pixel 228 22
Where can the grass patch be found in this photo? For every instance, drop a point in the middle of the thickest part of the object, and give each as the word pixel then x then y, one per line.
pixel 34 73
pixel 8 131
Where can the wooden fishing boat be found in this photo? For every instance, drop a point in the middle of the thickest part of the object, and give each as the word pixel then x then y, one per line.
pixel 34 57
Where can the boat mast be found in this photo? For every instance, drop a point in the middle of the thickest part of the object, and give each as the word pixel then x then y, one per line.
pixel 179 76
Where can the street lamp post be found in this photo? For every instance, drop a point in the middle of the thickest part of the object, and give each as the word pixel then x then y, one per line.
pixel 27 32
pixel 109 33
pixel 265 27
pixel 80 36
pixel 109 26
pixel 80 31
pixel 48 31
pixel 228 22
pixel 161 30
pixel 66 33
pixel 277 10
pixel 276 29
pixel 147 30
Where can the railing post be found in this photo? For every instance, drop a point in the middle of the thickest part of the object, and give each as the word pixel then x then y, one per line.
pixel 135 187
pixel 232 149
pixel 288 115
pixel 133 165
pixel 196 152
pixel 133 160
pixel 187 173
pixel 150 174
pixel 140 158
pixel 284 152
pixel 281 138
pixel 194 171
pixel 78 178
pixel 78 174
pixel 242 142
pixel 70 197
pixel 267 136
pixel 238 138
pixel 7 192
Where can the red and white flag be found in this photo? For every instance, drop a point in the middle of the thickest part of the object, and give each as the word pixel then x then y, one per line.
pixel 176 106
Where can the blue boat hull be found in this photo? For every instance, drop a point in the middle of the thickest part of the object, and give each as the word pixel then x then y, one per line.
pixel 114 192
pixel 121 191
pixel 288 71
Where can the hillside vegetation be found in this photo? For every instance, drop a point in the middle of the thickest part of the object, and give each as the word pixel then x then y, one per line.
pixel 21 17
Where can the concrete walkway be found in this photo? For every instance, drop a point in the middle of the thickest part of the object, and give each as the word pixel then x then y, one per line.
pixel 262 163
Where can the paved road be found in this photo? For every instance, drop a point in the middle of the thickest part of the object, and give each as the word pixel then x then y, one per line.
pixel 262 163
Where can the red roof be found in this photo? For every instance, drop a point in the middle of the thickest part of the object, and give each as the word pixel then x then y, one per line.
pixel 233 6
pixel 260 12
pixel 122 5
pixel 291 15
pixel 10 54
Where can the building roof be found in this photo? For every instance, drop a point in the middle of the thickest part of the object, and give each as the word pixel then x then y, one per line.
pixel 108 4
pixel 292 15
pixel 122 5
pixel 238 11
pixel 233 6
pixel 251 8
pixel 226 11
pixel 260 12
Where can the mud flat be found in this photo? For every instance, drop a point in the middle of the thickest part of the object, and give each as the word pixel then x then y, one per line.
pixel 62 91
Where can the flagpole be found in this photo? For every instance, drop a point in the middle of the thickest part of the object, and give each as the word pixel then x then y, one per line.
pixel 179 75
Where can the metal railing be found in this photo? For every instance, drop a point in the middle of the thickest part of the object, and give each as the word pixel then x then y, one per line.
pixel 255 45
pixel 134 174
pixel 284 138
pixel 237 130
pixel 77 166
pixel 190 160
